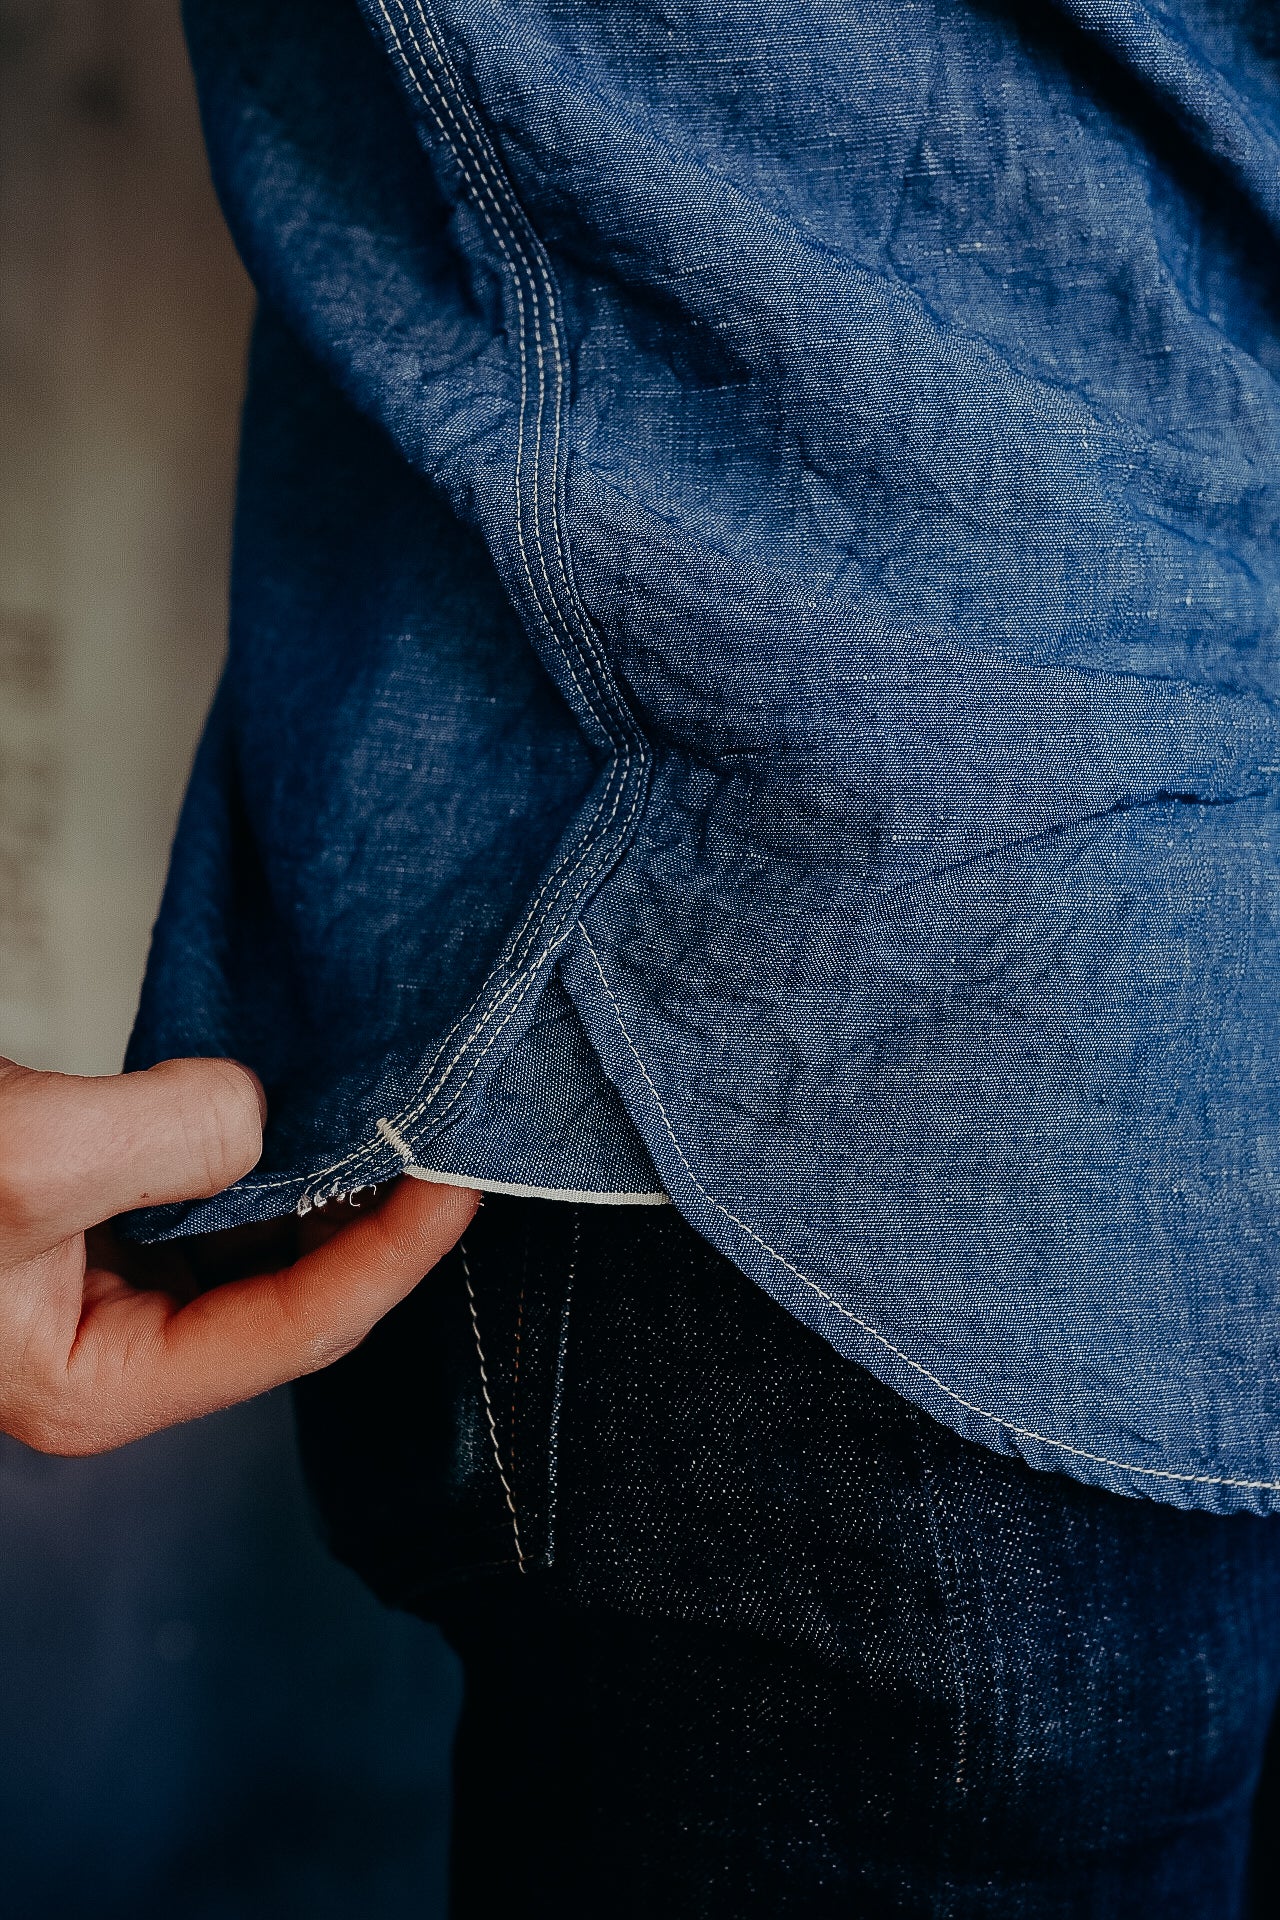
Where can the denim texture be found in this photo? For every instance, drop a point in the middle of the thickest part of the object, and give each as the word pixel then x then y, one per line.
pixel 745 1635
pixel 753 666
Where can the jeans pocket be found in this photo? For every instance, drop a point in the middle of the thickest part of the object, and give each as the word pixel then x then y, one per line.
pixel 431 1450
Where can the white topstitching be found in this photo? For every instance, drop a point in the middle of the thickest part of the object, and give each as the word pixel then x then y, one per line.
pixel 1008 1426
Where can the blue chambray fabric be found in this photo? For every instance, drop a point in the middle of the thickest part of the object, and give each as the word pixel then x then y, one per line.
pixel 753 666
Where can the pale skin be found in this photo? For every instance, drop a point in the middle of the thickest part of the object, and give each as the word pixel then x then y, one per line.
pixel 101 1343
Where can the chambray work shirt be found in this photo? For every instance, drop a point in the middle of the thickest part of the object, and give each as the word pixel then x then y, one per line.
pixel 753 669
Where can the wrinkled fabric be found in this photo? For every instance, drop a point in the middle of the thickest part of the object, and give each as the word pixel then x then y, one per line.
pixel 753 667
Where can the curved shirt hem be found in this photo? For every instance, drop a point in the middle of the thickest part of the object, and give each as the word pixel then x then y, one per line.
pixel 855 1337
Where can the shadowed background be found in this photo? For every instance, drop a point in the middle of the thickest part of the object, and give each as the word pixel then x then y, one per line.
pixel 200 1715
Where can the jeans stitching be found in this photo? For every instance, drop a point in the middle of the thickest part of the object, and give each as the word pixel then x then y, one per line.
pixel 516 1355
pixel 487 186
pixel 585 859
pixel 488 1408
pixel 1007 1426
pixel 557 1396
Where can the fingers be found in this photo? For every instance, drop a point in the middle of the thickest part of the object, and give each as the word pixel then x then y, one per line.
pixel 253 1334
pixel 74 1152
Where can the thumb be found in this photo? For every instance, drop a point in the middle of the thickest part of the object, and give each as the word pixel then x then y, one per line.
pixel 76 1151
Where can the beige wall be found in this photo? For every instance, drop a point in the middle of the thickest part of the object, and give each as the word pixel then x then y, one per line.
pixel 123 315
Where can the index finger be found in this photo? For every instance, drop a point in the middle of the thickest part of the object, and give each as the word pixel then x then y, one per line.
pixel 74 1151
pixel 138 1366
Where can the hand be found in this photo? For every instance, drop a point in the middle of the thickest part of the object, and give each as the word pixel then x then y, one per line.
pixel 87 1360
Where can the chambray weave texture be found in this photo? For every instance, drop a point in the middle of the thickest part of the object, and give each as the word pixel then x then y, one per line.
pixel 753 666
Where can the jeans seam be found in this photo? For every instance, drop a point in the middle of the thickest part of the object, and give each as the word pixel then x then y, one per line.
pixel 846 1313
pixel 952 1584
pixel 497 205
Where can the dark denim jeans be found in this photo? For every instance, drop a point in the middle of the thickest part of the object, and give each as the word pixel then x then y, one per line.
pixel 745 1634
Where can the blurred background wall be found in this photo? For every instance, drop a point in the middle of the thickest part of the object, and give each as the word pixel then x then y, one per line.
pixel 199 1714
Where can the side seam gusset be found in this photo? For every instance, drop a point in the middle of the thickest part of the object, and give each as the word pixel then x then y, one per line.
pixel 549 596
pixel 1022 1437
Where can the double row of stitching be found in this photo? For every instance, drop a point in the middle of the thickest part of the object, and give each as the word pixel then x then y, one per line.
pixel 434 80
pixel 547 575
pixel 565 621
